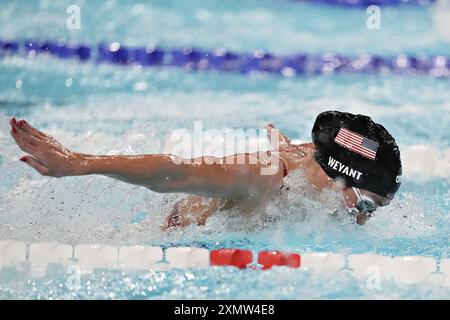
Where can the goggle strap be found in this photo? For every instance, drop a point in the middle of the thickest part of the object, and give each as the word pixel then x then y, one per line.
pixel 357 193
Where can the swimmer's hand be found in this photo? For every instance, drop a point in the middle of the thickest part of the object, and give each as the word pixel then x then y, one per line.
pixel 291 153
pixel 46 155
pixel 189 210
pixel 276 138
pixel 281 142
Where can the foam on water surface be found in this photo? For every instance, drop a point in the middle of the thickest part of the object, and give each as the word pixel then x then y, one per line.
pixel 113 110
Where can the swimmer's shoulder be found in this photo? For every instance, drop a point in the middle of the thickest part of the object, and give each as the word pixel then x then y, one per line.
pixel 298 157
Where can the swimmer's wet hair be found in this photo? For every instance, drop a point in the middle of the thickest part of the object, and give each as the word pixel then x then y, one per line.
pixel 380 175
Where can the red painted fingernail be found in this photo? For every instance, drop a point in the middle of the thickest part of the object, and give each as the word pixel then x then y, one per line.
pixel 14 130
pixel 25 122
pixel 20 122
pixel 23 159
pixel 14 120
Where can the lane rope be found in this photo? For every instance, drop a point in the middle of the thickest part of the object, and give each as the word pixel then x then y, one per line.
pixel 191 58
pixel 34 259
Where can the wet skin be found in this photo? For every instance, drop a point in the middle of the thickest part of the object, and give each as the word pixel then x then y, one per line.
pixel 211 183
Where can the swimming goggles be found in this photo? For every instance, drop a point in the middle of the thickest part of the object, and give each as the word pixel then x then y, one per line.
pixel 364 204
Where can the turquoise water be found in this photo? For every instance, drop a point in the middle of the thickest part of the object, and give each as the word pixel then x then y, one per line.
pixel 109 109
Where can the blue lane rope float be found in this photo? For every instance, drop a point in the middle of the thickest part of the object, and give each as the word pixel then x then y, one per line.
pixel 223 60
pixel 366 3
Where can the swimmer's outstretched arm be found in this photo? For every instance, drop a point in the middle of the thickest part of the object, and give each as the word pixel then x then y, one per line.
pixel 211 177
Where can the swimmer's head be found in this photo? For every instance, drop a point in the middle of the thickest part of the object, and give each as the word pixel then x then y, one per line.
pixel 360 153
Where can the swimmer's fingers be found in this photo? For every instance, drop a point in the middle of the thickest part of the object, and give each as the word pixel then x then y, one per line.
pixel 25 135
pixel 40 140
pixel 25 126
pixel 274 134
pixel 282 138
pixel 34 163
pixel 23 144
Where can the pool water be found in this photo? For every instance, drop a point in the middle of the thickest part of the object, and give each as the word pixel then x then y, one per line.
pixel 106 109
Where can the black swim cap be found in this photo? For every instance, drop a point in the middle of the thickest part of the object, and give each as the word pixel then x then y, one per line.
pixel 357 150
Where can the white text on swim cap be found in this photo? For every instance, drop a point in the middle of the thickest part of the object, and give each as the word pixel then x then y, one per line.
pixel 336 165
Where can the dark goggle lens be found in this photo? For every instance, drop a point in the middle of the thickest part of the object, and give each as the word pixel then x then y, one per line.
pixel 366 206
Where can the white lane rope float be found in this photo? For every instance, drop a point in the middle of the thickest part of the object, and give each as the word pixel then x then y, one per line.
pixel 34 259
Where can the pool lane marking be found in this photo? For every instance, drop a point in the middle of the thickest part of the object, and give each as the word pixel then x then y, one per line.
pixel 197 59
pixel 34 259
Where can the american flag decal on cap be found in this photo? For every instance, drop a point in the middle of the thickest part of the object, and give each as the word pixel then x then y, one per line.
pixel 357 143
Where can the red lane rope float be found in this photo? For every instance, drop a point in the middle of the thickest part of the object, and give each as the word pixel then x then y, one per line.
pixel 231 257
pixel 277 258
